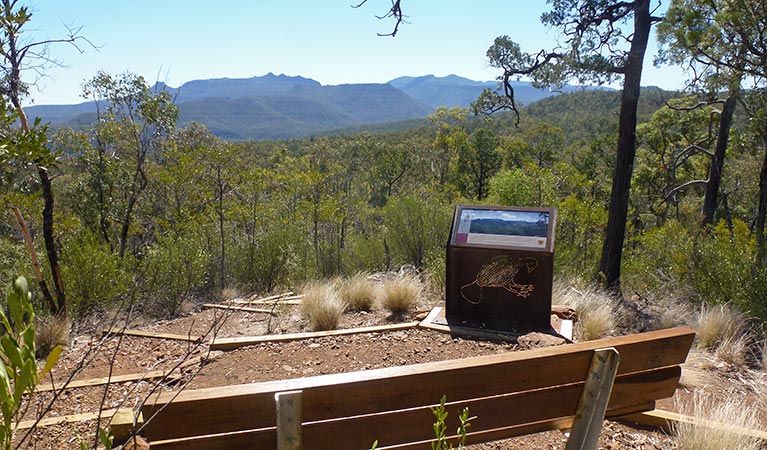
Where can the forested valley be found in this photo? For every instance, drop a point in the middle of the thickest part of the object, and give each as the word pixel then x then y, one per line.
pixel 163 214
pixel 160 213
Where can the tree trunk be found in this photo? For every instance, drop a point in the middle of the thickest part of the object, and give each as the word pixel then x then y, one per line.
pixel 50 243
pixel 610 264
pixel 717 161
pixel 762 209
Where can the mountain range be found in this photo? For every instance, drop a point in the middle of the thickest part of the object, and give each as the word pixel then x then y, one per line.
pixel 281 106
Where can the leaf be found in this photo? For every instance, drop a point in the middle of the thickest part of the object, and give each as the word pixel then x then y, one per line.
pixel 11 349
pixel 51 361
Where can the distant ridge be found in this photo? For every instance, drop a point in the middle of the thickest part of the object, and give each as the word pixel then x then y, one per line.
pixel 281 106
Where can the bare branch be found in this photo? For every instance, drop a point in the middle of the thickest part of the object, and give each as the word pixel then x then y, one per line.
pixel 395 11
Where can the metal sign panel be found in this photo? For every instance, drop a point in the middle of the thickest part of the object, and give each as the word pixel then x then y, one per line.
pixel 500 267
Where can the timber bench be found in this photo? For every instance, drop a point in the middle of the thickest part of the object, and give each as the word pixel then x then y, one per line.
pixel 510 394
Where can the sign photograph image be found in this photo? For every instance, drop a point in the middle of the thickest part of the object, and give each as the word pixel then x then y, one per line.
pixel 504 228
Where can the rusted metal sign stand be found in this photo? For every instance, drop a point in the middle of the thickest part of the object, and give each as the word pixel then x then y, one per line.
pixel 500 263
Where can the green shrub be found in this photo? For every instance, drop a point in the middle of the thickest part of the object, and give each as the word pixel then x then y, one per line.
pixel 18 367
pixel 175 266
pixel 724 270
pixel 266 262
pixel 94 276
pixel 658 257
pixel 415 228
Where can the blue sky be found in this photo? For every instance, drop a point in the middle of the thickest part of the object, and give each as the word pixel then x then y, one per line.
pixel 176 41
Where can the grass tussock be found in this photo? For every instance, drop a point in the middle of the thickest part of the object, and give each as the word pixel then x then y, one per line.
pixel 718 324
pixel 731 416
pixel 322 307
pixel 229 293
pixel 359 292
pixel 401 294
pixel 597 311
pixel 50 332
pixel 734 350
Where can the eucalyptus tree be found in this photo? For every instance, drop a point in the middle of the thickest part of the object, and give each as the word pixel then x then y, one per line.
pixel 133 123
pixel 27 145
pixel 604 41
pixel 694 34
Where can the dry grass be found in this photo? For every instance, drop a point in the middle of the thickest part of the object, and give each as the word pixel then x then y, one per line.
pixel 731 418
pixel 229 293
pixel 50 332
pixel 673 314
pixel 696 373
pixel 401 294
pixel 718 324
pixel 359 292
pixel 734 350
pixel 596 310
pixel 322 306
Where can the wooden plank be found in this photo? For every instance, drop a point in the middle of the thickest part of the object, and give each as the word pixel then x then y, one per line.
pixel 468 332
pixel 123 424
pixel 433 314
pixel 593 403
pixel 151 375
pixel 236 342
pixel 72 418
pixel 666 420
pixel 497 417
pixel 246 439
pixel 288 406
pixel 237 407
pixel 278 303
pixel 151 334
pixel 237 308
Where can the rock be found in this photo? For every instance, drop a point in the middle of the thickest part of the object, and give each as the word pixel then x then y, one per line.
pixel 136 443
pixel 538 340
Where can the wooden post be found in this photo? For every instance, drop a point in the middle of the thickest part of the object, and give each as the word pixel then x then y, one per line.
pixel 594 399
pixel 288 420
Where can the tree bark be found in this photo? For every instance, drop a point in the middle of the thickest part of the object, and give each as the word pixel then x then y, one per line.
pixel 610 263
pixel 762 208
pixel 50 243
pixel 716 166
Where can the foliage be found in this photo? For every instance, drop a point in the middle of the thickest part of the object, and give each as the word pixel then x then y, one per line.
pixel 174 268
pixel 440 427
pixel 19 373
pixel 723 269
pixel 95 276
pixel 415 228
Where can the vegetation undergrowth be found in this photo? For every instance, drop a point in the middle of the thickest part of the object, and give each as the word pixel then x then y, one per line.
pixel 322 306
pixel 401 294
pixel 19 372
pixel 731 416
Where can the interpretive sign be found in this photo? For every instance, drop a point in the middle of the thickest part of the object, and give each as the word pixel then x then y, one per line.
pixel 499 267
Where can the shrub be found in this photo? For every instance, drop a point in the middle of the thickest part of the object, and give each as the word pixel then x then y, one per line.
pixel 400 295
pixel 322 307
pixel 267 262
pixel 724 270
pixel 94 276
pixel 658 257
pixel 731 417
pixel 415 228
pixel 359 292
pixel 175 266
